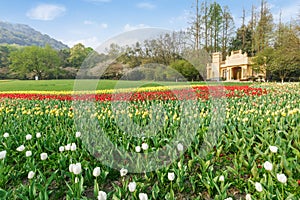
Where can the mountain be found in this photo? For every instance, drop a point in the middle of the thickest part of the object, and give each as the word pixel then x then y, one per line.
pixel 24 35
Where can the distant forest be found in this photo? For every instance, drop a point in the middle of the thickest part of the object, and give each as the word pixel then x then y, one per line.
pixel 274 46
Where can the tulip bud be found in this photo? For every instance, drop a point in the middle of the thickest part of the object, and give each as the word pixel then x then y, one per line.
pixel 77 168
pixel 179 147
pixel 102 195
pixel 145 146
pixel 96 172
pixel 273 149
pixel 281 178
pixel 171 176
pixel 268 166
pixel 78 134
pixel 30 175
pixel 132 186
pixel 221 178
pixel 2 154
pixel 258 187
pixel 61 148
pixel 44 156
pixel 123 172
pixel 73 147
pixel 28 153
pixel 38 135
pixel 138 149
pixel 21 148
pixel 143 196
pixel 28 137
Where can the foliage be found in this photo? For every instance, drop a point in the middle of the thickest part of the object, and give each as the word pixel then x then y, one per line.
pixel 78 53
pixel 185 69
pixel 283 59
pixel 237 41
pixel 29 62
pixel 256 153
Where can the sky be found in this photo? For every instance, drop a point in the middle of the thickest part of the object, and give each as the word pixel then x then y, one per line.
pixel 93 22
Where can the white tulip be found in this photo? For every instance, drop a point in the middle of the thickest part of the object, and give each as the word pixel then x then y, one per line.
pixel 132 186
pixel 258 187
pixel 179 147
pixel 78 134
pixel 102 195
pixel 71 166
pixel 273 149
pixel 123 172
pixel 61 148
pixel 6 135
pixel 77 168
pixel 2 154
pixel 229 198
pixel 68 147
pixel 145 146
pixel 30 175
pixel 28 137
pixel 171 176
pixel 221 178
pixel 21 148
pixel 281 178
pixel 248 197
pixel 138 149
pixel 44 156
pixel 73 147
pixel 28 153
pixel 38 135
pixel 143 196
pixel 96 172
pixel 268 166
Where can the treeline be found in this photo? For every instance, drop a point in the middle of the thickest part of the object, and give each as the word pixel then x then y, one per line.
pixel 275 48
pixel 44 62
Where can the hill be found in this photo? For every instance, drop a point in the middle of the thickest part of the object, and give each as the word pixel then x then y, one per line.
pixel 24 35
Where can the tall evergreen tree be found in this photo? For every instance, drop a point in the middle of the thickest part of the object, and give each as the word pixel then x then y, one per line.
pixel 264 29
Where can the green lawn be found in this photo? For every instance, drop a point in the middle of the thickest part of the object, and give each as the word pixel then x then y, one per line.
pixel 67 85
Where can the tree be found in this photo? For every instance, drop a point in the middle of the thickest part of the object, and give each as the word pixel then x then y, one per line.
pixel 242 40
pixel 286 57
pixel 215 22
pixel 78 53
pixel 32 61
pixel 195 28
pixel 262 61
pixel 227 30
pixel 263 31
pixel 185 69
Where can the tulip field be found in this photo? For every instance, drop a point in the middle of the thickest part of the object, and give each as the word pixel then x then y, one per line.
pixel 44 154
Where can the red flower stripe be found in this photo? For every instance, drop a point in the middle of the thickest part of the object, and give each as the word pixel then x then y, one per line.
pixel 177 94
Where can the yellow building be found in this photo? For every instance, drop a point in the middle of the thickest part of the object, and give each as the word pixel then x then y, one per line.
pixel 237 66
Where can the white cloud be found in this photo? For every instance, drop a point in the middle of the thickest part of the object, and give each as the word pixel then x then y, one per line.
pixel 146 5
pixel 88 22
pixel 46 12
pixel 129 27
pixel 87 42
pixel 104 25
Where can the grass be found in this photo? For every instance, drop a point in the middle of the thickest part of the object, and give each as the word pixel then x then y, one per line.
pixel 68 85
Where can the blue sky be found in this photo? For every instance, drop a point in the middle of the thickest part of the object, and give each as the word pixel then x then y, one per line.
pixel 92 22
